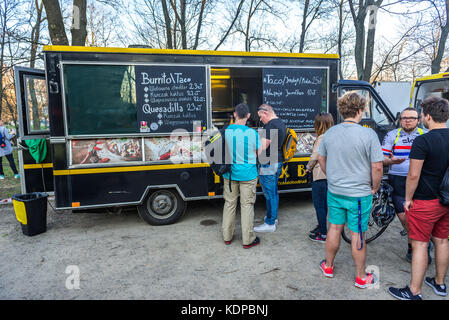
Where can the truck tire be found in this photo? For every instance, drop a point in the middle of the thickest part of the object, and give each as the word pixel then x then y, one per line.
pixel 162 207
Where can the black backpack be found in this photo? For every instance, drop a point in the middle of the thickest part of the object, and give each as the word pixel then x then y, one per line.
pixel 444 189
pixel 216 145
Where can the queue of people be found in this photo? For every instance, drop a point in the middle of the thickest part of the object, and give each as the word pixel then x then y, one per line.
pixel 347 164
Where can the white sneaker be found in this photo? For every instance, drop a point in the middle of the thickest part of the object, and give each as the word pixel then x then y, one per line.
pixel 275 222
pixel 265 228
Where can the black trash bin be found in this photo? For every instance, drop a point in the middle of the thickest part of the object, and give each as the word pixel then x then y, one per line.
pixel 31 212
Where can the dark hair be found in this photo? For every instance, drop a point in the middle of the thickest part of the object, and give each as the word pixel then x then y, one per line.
pixel 437 108
pixel 350 104
pixel 242 111
pixel 323 121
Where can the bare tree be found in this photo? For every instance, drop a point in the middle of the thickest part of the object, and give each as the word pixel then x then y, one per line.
pixel 252 25
pixel 364 42
pixel 443 23
pixel 79 23
pixel 171 24
pixel 56 25
pixel 56 28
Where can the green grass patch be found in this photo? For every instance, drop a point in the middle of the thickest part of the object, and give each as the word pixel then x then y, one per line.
pixel 9 186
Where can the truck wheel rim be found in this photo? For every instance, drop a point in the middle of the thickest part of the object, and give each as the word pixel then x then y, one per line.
pixel 162 204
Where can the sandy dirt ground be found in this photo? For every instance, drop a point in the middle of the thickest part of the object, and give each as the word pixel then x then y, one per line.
pixel 118 256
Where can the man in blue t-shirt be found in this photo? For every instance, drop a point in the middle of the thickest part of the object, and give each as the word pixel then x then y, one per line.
pixel 245 144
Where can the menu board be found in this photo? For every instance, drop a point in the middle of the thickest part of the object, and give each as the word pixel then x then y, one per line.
pixel 170 98
pixel 296 94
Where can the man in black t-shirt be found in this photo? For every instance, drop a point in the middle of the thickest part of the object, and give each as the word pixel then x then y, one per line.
pixel 272 136
pixel 426 217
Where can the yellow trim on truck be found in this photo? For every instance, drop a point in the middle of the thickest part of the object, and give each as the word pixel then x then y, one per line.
pixel 38 166
pixel 69 172
pixel 189 52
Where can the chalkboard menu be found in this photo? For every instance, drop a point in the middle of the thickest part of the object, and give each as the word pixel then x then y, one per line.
pixel 171 97
pixel 296 94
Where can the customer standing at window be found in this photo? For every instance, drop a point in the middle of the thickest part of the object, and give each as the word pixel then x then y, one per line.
pixel 323 121
pixel 272 136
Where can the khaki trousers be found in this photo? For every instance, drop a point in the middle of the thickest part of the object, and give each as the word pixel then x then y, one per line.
pixel 247 192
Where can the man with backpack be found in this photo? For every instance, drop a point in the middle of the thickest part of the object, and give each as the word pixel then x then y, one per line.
pixel 272 136
pixel 426 216
pixel 243 144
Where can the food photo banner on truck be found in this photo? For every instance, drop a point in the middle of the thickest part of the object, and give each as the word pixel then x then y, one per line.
pixel 170 98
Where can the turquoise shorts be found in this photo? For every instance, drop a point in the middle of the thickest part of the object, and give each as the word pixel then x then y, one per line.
pixel 343 209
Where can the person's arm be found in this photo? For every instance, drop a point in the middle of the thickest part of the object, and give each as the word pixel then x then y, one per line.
pixel 376 175
pixel 314 156
pixel 388 161
pixel 322 161
pixel 414 173
pixel 265 143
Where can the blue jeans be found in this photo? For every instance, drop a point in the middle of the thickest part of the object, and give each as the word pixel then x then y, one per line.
pixel 319 196
pixel 268 177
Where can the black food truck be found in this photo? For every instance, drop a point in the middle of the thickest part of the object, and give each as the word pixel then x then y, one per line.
pixel 119 127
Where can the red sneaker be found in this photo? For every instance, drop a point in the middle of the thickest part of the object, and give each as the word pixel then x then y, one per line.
pixel 369 281
pixel 254 243
pixel 327 271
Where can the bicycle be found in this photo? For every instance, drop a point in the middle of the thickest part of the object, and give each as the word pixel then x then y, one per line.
pixel 381 215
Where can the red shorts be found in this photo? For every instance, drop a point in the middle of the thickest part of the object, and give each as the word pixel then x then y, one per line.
pixel 426 218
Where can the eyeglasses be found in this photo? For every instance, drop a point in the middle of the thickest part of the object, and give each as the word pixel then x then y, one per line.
pixel 262 109
pixel 409 119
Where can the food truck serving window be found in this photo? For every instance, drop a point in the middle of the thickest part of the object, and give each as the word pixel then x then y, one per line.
pixel 116 99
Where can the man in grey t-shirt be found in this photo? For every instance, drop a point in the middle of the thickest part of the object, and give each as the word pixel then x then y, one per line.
pixel 351 157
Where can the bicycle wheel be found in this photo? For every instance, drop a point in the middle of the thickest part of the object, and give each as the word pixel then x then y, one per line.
pixel 373 232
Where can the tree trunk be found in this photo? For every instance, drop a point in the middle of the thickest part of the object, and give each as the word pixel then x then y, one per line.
pixel 200 22
pixel 303 26
pixel 79 23
pixel 436 63
pixel 239 9
pixel 248 24
pixel 340 37
pixel 167 19
pixel 183 24
pixel 2 54
pixel 56 29
pixel 35 33
pixel 363 52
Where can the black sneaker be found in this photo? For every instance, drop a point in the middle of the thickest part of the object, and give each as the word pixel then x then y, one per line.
pixel 315 231
pixel 254 243
pixel 404 294
pixel 318 238
pixel 439 289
